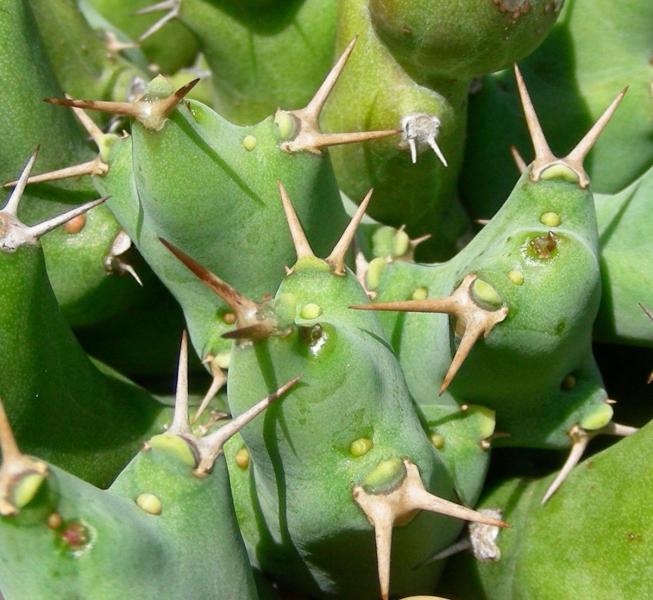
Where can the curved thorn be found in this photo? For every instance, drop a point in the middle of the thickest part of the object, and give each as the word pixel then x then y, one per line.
pixel 578 154
pixel 168 104
pixel 302 246
pixel 540 145
pixel 42 228
pixel 434 146
pixel 580 440
pixel 337 257
pixel 127 268
pixel 11 207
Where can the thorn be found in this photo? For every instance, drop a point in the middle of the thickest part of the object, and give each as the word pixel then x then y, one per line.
pixel 580 438
pixel 383 510
pixel 92 167
pixel 219 379
pixel 543 153
pixel 337 257
pixel 123 267
pixel 475 319
pixel 172 6
pixel 36 231
pixel 647 312
pixel 412 144
pixel 578 154
pixel 15 470
pixel 114 45
pixel 309 137
pixel 152 114
pixel 241 305
pixel 517 158
pixel 211 446
pixel 88 124
pixel 483 222
pixel 180 424
pixel 302 247
pixel 11 207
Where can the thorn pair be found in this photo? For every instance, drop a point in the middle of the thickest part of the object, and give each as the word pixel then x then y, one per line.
pixel 14 233
pixel 398 505
pixel 580 439
pixel 474 319
pixel 151 113
pixel 307 135
pixel 544 158
pixel 209 447
pixel 419 129
pixel 171 6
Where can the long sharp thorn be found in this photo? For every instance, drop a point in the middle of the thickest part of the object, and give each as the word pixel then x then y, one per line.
pixel 337 257
pixel 127 268
pixel 578 154
pixel 180 420
pixel 239 303
pixel 42 228
pixel 540 145
pixel 383 524
pixel 432 305
pixel 314 107
pixel 336 139
pixel 470 337
pixel 219 379
pixel 11 207
pixel 150 31
pixel 115 108
pixel 216 440
pixel 92 167
pixel 518 159
pixel 302 247
pixel 165 5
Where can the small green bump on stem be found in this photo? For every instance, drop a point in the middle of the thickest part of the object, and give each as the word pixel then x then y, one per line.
pixel 485 295
pixel 310 311
pixel 382 241
pixel 286 123
pixel 374 272
pixel 242 458
pixel 517 277
pixel 485 417
pixel 175 446
pixel 400 243
pixel 249 142
pixel 437 440
pixel 312 263
pixel 223 359
pixel 158 88
pixel 598 418
pixel 150 503
pixel 560 171
pixel 26 488
pixel 360 447
pixel 550 219
pixel 568 383
pixel 385 477
pixel 421 293
pixel 285 306
pixel 229 318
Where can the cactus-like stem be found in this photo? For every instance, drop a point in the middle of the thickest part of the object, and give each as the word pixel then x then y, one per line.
pixel 398 505
pixel 580 439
